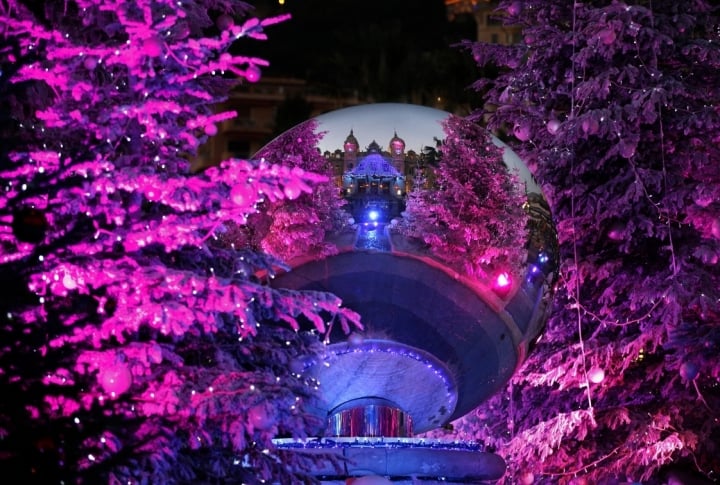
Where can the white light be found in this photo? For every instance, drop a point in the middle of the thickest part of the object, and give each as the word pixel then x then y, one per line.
pixel 596 375
pixel 503 280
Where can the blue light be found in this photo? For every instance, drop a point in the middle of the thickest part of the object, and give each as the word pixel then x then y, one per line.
pixel 543 257
pixel 373 215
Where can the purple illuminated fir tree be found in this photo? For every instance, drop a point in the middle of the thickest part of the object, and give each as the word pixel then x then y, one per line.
pixel 134 346
pixel 614 105
pixel 474 218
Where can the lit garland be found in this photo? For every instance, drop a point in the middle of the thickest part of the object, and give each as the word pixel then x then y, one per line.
pixel 393 443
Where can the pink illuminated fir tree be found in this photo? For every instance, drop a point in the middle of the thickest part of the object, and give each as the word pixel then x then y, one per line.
pixel 297 227
pixel 474 218
pixel 134 346
pixel 614 105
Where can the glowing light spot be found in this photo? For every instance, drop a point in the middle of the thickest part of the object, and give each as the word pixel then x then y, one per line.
pixel 502 284
pixel 502 280
pixel 596 375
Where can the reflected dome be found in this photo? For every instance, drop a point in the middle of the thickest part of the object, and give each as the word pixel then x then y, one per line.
pixel 351 143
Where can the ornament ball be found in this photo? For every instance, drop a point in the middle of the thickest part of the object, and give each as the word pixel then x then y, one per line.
pixel 526 478
pixel 211 129
pixel 617 231
pixel 252 73
pixel 553 126
pixel 689 370
pixel 292 191
pixel 627 149
pixel 69 282
pixel 590 126
pixel 715 228
pixel 260 418
pixel 596 375
pixel 607 36
pixel 514 8
pixel 522 132
pixel 116 379
pixel 241 194
pixel 90 63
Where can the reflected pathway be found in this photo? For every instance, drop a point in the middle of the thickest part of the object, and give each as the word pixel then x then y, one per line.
pixel 372 235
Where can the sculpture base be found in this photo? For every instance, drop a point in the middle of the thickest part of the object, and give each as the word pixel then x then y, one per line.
pixel 370 417
pixel 400 460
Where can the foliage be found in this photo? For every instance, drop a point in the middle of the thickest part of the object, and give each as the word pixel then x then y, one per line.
pixel 474 218
pixel 615 107
pixel 136 347
pixel 298 225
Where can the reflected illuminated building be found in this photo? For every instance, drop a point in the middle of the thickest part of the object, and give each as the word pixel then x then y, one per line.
pixel 375 181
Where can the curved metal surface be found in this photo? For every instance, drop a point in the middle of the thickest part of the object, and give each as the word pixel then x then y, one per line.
pixel 388 373
pixel 406 300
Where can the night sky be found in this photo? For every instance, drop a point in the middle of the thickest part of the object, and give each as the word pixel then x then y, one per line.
pixel 383 50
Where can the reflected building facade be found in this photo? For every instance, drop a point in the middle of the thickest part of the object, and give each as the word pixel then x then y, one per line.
pixel 375 181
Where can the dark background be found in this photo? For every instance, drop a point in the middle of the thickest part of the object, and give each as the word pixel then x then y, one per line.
pixel 381 50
